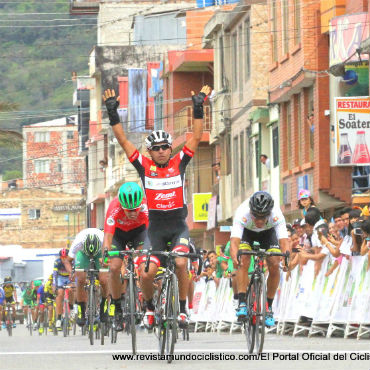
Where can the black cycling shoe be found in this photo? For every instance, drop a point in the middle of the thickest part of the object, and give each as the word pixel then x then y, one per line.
pixel 81 321
pixel 118 320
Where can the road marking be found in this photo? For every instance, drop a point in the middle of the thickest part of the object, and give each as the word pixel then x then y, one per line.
pixel 216 350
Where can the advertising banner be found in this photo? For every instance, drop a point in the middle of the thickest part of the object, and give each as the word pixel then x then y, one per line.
pixel 352 131
pixel 200 206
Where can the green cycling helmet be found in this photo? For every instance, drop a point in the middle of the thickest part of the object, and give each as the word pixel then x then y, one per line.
pixel 130 195
pixel 92 245
pixel 37 283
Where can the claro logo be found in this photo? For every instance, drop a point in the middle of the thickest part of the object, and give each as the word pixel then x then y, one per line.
pixel 162 196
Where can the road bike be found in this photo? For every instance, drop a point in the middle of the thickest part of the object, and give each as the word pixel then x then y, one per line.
pixel 254 322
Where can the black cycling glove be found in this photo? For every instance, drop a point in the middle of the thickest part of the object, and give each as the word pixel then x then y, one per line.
pixel 198 101
pixel 112 105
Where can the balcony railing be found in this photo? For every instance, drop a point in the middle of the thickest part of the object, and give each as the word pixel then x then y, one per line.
pixel 183 120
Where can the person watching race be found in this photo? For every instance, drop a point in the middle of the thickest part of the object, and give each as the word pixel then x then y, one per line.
pixel 87 242
pixel 60 279
pixel 28 301
pixel 163 179
pixel 40 305
pixel 126 222
pixel 258 219
pixel 10 297
pixel 2 299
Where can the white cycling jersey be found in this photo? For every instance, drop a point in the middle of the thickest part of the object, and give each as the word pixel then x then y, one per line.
pixel 80 240
pixel 243 220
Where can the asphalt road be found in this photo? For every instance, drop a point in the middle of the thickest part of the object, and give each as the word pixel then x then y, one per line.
pixel 23 352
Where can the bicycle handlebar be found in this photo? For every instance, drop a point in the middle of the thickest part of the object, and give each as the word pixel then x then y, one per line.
pixel 263 253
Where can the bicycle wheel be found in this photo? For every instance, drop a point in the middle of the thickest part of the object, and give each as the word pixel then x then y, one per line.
pixel 102 333
pixel 160 317
pixel 9 323
pixel 172 308
pixel 250 321
pixel 91 312
pixel 46 322
pixel 132 307
pixel 260 312
pixel 29 320
pixel 65 319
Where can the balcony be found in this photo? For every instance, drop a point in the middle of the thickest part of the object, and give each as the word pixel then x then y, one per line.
pixel 184 121
pixel 79 7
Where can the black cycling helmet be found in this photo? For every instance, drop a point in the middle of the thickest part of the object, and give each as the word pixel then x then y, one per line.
pixel 261 203
pixel 7 278
pixel 92 245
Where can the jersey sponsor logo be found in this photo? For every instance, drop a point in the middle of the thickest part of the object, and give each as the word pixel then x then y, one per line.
pixel 163 196
pixel 120 221
pixel 171 170
pixel 110 221
pixel 153 168
pixel 163 183
pixel 165 206
pixel 154 174
pixel 275 219
pixel 244 219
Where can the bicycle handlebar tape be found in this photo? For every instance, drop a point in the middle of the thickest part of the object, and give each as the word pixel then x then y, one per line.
pixel 112 105
pixel 113 253
pixel 198 101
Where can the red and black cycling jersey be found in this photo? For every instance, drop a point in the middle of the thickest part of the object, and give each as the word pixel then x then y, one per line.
pixel 116 217
pixel 164 186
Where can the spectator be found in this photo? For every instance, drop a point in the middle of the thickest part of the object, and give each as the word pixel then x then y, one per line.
pixel 305 201
pixel 345 218
pixel 298 228
pixel 354 230
pixel 339 222
pixel 266 161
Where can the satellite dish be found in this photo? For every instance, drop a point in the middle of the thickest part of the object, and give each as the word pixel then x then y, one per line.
pixel 350 77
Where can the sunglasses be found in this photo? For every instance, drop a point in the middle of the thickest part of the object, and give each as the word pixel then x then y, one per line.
pixel 156 148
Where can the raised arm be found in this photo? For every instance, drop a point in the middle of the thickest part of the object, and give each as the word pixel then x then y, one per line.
pixel 198 113
pixel 112 103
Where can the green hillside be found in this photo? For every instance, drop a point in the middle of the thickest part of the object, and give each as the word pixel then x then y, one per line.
pixel 36 64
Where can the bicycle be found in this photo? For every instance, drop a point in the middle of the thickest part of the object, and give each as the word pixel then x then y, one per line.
pixel 29 325
pixel 92 275
pixel 132 312
pixel 66 310
pixel 254 322
pixel 42 321
pixel 167 303
pixel 8 317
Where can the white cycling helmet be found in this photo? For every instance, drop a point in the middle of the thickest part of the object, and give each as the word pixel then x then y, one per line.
pixel 156 137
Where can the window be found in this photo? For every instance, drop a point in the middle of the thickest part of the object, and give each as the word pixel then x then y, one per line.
pixel 221 60
pixel 236 165
pixel 59 166
pixel 275 145
pixel 297 21
pixel 42 137
pixel 34 214
pixel 247 48
pixel 242 161
pixel 70 134
pixel 42 166
pixel 258 163
pixel 274 32
pixel 310 123
pixel 249 161
pixel 240 62
pixel 234 45
pixel 300 147
pixel 285 30
pixel 158 109
pixel 288 135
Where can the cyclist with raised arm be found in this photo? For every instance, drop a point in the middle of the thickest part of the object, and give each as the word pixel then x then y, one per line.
pixel 163 178
pixel 258 219
pixel 126 222
pixel 87 242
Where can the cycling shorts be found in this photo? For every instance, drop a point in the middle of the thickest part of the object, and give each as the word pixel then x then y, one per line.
pixel 174 231
pixel 266 238
pixel 27 302
pixel 62 280
pixel 10 300
pixel 138 238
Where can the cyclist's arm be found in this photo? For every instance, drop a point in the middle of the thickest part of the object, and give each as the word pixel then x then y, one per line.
pixel 194 141
pixel 234 247
pixel 107 242
pixel 68 264
pixel 121 137
pixel 284 244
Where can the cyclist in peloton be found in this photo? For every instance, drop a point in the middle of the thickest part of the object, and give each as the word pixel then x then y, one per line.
pixel 257 219
pixel 87 242
pixel 163 179
pixel 126 222
pixel 61 278
pixel 10 296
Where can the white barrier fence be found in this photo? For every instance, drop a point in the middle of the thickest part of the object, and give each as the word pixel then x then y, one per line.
pixel 304 304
